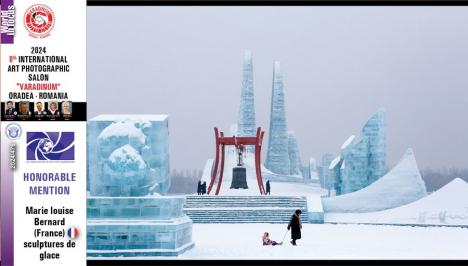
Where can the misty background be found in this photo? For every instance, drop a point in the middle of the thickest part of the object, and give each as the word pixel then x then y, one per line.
pixel 339 64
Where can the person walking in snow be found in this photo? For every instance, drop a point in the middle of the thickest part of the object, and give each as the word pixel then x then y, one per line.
pixel 268 187
pixel 295 225
pixel 267 241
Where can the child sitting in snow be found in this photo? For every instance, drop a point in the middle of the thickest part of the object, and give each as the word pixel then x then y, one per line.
pixel 267 241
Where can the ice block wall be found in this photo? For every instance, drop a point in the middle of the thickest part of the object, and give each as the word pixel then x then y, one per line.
pixel 128 171
pixel 324 172
pixel 354 169
pixel 128 155
pixel 361 162
pixel 374 130
pixel 138 226
pixel 401 185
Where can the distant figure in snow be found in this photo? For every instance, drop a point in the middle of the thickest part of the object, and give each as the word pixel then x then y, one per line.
pixel 267 241
pixel 204 188
pixel 268 187
pixel 295 225
pixel 199 188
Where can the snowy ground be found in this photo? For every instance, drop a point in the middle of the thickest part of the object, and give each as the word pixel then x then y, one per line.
pixel 326 241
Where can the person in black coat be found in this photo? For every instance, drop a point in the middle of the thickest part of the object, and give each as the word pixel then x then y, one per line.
pixel 204 188
pixel 268 187
pixel 295 225
pixel 199 188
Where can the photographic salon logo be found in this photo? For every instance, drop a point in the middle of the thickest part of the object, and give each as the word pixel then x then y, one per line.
pixel 13 131
pixel 39 20
pixel 50 146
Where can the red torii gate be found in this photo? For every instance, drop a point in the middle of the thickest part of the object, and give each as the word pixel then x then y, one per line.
pixel 222 141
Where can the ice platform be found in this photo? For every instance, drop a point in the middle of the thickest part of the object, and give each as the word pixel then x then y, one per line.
pixel 137 226
pixel 128 174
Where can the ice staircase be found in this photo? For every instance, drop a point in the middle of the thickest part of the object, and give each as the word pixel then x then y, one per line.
pixel 244 209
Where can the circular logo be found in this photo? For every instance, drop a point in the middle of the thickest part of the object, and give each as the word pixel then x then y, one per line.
pixel 13 131
pixel 45 146
pixel 39 20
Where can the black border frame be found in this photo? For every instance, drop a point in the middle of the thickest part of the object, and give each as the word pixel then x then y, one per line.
pixel 275 262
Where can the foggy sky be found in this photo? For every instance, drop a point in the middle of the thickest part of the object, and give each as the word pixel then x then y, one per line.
pixel 339 64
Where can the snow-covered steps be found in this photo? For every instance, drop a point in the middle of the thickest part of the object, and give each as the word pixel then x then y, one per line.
pixel 244 209
pixel 244 201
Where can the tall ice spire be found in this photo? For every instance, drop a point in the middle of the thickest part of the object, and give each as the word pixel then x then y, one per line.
pixel 374 130
pixel 277 159
pixel 246 120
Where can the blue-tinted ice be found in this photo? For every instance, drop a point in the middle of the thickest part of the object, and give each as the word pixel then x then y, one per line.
pixel 277 159
pixel 128 173
pixel 362 161
pixel 128 155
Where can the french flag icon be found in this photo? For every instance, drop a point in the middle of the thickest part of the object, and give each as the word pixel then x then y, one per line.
pixel 72 232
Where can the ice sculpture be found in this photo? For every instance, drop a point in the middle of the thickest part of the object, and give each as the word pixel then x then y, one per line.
pixel 402 185
pixel 374 130
pixel 128 157
pixel 325 173
pixel 363 161
pixel 294 155
pixel 277 159
pixel 128 171
pixel 354 169
pixel 334 175
pixel 246 120
pixel 446 206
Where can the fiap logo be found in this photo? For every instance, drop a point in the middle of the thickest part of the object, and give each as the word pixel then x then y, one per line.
pixel 39 20
pixel 50 146
pixel 13 131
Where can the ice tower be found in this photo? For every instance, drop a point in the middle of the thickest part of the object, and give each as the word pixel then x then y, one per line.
pixel 324 172
pixel 374 130
pixel 277 159
pixel 355 166
pixel 361 162
pixel 246 121
pixel 334 175
pixel 400 186
pixel 128 171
